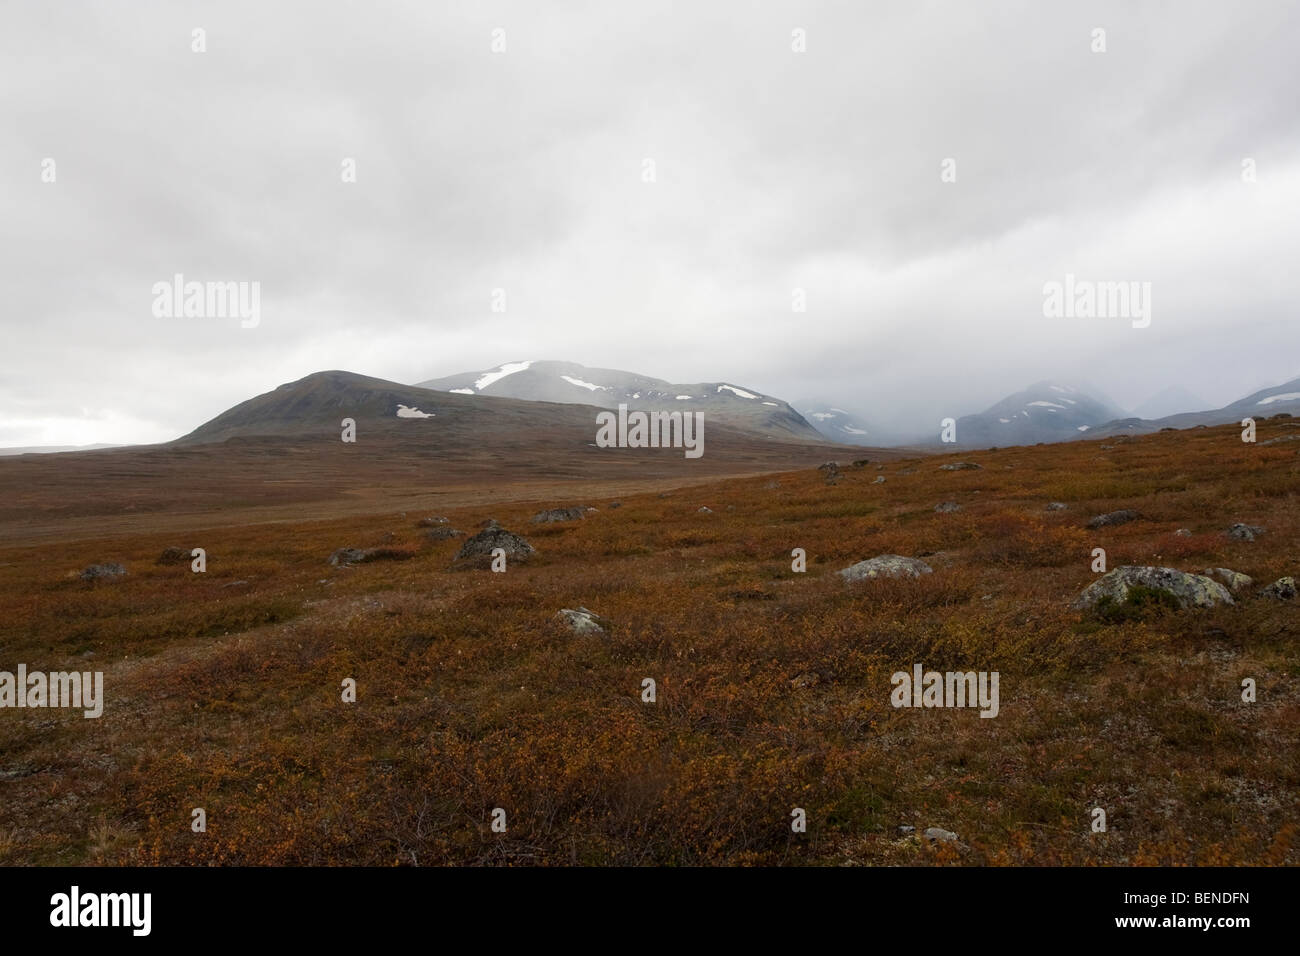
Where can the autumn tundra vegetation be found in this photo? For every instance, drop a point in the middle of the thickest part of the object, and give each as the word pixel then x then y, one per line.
pixel 225 690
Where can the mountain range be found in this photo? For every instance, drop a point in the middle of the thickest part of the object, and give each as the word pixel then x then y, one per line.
pixel 571 383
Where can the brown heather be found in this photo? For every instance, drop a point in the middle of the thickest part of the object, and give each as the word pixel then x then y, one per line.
pixel 773 687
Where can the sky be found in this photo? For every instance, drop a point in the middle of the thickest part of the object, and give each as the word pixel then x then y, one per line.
pixel 652 186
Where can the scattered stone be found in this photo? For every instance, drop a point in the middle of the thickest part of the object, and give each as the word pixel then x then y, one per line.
pixel 861 462
pixel 1278 441
pixel 175 556
pixel 1244 532
pixel 443 533
pixel 1112 518
pixel 904 829
pixel 431 521
pixel 1057 506
pixel 1233 579
pixel 960 466
pixel 880 480
pixel 583 621
pixel 1189 590
pixel 947 507
pixel 940 835
pixel 559 514
pixel 705 510
pixel 1183 533
pixel 98 572
pixel 886 566
pixel 483 543
pixel 1283 589
pixel 344 557
pixel 234 584
pixel 829 466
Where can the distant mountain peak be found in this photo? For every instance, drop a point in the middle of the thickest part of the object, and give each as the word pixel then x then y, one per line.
pixel 570 383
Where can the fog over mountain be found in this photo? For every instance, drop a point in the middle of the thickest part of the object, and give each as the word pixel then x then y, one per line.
pixel 681 191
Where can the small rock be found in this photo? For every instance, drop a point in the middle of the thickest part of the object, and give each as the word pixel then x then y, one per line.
pixel 1057 506
pixel 1234 580
pixel 1283 589
pixel 1278 441
pixel 486 541
pixel 880 480
pixel 886 566
pixel 1244 532
pixel 583 621
pixel 559 514
pixel 947 507
pixel 616 504
pixel 1112 518
pixel 347 556
pixel 960 466
pixel 829 466
pixel 98 572
pixel 174 556
pixel 940 835
pixel 1183 533
pixel 905 829
pixel 431 521
pixel 234 584
pixel 705 510
pixel 443 533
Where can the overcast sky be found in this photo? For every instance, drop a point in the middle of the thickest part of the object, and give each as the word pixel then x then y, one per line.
pixel 524 170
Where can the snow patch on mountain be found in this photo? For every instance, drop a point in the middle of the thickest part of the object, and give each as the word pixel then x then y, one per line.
pixel 509 368
pixel 581 384
pixel 739 391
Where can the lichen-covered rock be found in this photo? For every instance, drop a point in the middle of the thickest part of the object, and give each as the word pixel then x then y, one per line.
pixel 97 572
pixel 940 835
pixel 1057 506
pixel 347 556
pixel 1233 579
pixel 1283 589
pixel 344 557
pixel 1244 532
pixel 490 538
pixel 443 533
pixel 583 621
pixel 947 507
pixel 559 514
pixel 1112 518
pixel 886 566
pixel 175 556
pixel 1189 590
pixel 960 466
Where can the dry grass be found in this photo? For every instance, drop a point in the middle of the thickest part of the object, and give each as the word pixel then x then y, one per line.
pixel 773 687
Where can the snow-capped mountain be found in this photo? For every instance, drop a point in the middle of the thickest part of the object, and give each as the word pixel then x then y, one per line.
pixel 1262 404
pixel 574 384
pixel 1044 412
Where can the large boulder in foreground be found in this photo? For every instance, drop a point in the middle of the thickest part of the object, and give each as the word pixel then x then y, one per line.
pixel 1189 590
pixel 886 566
pixel 492 537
